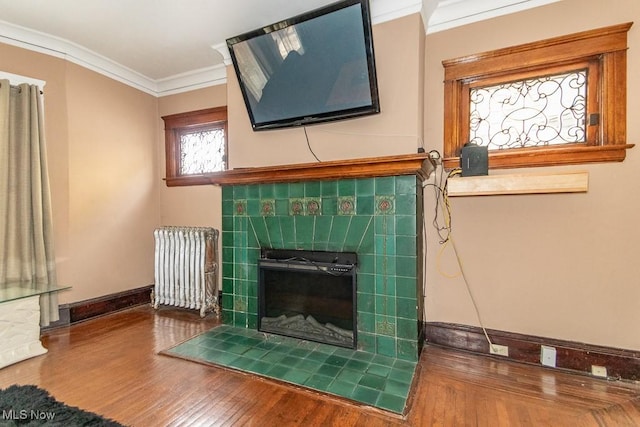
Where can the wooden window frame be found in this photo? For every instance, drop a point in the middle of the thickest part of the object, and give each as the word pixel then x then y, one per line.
pixel 604 49
pixel 177 124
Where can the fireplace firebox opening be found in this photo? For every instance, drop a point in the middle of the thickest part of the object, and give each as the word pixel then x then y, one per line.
pixel 309 295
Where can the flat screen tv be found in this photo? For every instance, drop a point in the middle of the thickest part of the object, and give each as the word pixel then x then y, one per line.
pixel 312 68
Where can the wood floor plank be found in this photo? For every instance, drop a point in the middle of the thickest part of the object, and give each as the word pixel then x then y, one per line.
pixel 111 366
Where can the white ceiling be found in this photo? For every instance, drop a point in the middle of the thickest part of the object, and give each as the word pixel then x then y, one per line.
pixel 169 46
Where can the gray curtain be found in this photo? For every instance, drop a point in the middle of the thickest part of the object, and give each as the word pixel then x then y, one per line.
pixel 26 231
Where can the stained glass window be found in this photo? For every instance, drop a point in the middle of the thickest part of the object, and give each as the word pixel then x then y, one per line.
pixel 535 112
pixel 202 151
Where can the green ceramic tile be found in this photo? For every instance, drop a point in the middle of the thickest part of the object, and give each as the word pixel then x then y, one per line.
pixel 366 244
pixel 329 206
pixel 346 205
pixel 366 322
pixel 267 191
pixel 385 205
pixel 318 382
pixel 227 223
pixel 404 365
pixel 304 227
pixel 385 185
pixel 385 245
pixel 267 207
pixel 346 187
pixel 407 328
pixel 406 287
pixel 273 228
pixel 384 225
pixel 227 207
pixel 253 191
pixel 407 349
pixel 296 376
pixel 227 192
pixel 365 187
pixel 405 204
pixel 312 189
pixel 366 283
pixel 349 376
pixel 366 263
pixel 365 204
pixel 361 355
pixel 329 370
pixel 385 345
pixel 239 192
pixel 278 371
pixel 373 381
pixel 356 365
pixel 339 230
pixel 366 303
pixel 385 284
pixel 252 321
pixel 313 206
pixel 405 225
pixel 296 206
pixel 406 308
pixel 334 360
pixel 341 388
pixel 365 394
pixel 406 266
pixel 329 188
pixel 405 245
pixel 260 367
pixel 379 370
pixel 406 184
pixel 385 325
pixel 396 388
pixel 282 207
pixel 402 375
pixel 358 227
pixel 296 189
pixel 366 342
pixel 391 402
pixel 281 191
pixel 288 230
pixel 386 265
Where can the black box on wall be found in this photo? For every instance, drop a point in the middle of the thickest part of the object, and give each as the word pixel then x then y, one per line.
pixel 474 160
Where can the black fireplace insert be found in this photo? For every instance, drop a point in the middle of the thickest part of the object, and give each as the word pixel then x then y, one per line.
pixel 309 295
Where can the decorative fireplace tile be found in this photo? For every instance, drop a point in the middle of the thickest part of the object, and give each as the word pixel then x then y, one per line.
pixel 296 207
pixel 268 207
pixel 374 379
pixel 378 218
pixel 385 205
pixel 313 206
pixel 346 205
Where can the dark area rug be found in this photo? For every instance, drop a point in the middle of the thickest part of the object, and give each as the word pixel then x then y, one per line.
pixel 28 405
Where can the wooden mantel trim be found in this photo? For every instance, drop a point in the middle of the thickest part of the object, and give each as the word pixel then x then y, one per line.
pixel 419 164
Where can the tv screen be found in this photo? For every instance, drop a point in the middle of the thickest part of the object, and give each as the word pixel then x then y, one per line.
pixel 312 68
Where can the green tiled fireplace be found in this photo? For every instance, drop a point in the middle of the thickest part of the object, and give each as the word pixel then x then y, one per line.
pixel 378 218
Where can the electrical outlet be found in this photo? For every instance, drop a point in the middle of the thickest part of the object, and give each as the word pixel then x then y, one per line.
pixel 599 371
pixel 500 350
pixel 548 356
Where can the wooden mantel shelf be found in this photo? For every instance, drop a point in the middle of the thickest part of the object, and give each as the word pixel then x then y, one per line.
pixel 409 164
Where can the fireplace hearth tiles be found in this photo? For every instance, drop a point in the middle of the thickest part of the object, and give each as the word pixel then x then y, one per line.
pixel 368 378
pixel 378 218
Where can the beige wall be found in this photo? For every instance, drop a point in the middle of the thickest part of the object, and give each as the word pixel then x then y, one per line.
pixel 101 140
pixel 561 266
pixel 396 130
pixel 197 205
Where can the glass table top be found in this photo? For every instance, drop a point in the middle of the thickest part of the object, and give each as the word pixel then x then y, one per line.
pixel 14 291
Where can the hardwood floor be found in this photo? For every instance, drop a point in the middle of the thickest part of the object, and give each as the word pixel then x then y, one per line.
pixel 110 366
